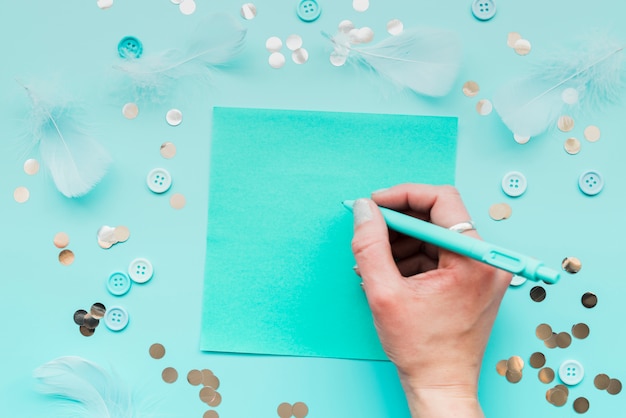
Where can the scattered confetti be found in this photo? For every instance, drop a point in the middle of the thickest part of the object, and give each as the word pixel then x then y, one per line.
pixel 187 7
pixel 512 37
pixel 565 123
pixel 571 265
pixel 300 56
pixel 130 110
pixel 177 201
pixel 470 88
pixel 61 240
pixel 168 150
pixel 293 42
pixel 500 211
pixel 522 47
pixel 592 133
pixel 360 5
pixel 484 107
pixel 21 194
pixel 572 146
pixel 248 11
pixel 157 351
pixel 66 257
pixel 88 321
pixel 276 60
pixel 395 27
pixel 104 4
pixel 31 167
pixel 174 117
pixel 169 375
pixel 273 44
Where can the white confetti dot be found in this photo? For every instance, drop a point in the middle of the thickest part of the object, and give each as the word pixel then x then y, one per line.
pixel 273 44
pixel 293 42
pixel 276 60
pixel 104 4
pixel 300 56
pixel 360 5
pixel 187 7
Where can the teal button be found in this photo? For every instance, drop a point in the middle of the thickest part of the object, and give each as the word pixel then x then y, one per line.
pixel 118 283
pixel 484 9
pixel 309 10
pixel 591 182
pixel 130 47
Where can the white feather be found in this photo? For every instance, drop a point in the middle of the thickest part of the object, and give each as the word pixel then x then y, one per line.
pixel 215 42
pixel 75 159
pixel 528 106
pixel 88 389
pixel 425 60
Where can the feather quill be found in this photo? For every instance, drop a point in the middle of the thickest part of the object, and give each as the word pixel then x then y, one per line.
pixel 214 43
pixel 564 83
pixel 87 389
pixel 75 159
pixel 425 60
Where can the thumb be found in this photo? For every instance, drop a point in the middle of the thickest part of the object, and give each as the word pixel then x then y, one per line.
pixel 370 244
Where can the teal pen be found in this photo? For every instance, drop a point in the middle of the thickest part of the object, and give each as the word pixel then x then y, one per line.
pixel 476 249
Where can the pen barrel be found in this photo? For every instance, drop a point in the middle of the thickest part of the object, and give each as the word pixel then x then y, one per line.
pixel 474 248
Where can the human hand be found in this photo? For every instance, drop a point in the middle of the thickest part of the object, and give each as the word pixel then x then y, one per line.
pixel 433 309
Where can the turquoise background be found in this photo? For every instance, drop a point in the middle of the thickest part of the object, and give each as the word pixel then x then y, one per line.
pixel 72 45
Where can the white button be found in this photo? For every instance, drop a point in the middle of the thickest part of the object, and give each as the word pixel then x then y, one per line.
pixel 514 183
pixel 116 318
pixel 140 270
pixel 591 182
pixel 159 180
pixel 571 372
pixel 517 280
pixel 484 9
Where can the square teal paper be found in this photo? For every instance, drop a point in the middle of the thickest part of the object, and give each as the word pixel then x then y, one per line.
pixel 278 275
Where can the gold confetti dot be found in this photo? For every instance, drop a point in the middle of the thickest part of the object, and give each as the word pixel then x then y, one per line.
pixel 61 240
pixel 210 414
pixel 563 340
pixel 513 376
pixel 79 317
pixel 580 331
pixel 572 146
pixel 484 107
pixel 592 133
pixel 207 394
pixel 602 381
pixel 211 381
pixel 538 294
pixel 500 211
pixel 21 194
pixel 90 322
pixel 581 405
pixel 537 360
pixel 97 310
pixel 130 111
pixel 66 257
pixel 589 300
pixel 194 377
pixel 121 233
pixel 563 388
pixel 284 410
pixel 216 401
pixel 31 167
pixel 546 375
pixel 169 375
pixel 248 11
pixel 522 46
pixel 551 341
pixel 177 201
pixel 157 351
pixel 395 27
pixel 511 38
pixel 501 367
pixel 565 123
pixel 556 396
pixel 300 410
pixel 571 265
pixel 168 150
pixel 470 88
pixel 515 363
pixel 543 331
pixel 615 387
pixel 87 332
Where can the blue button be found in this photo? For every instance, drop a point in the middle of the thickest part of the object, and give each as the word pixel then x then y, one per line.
pixel 309 10
pixel 159 180
pixel 130 47
pixel 484 9
pixel 116 318
pixel 591 182
pixel 118 283
pixel 571 372
pixel 514 183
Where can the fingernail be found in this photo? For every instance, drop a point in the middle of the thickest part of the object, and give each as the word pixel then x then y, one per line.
pixel 380 190
pixel 362 211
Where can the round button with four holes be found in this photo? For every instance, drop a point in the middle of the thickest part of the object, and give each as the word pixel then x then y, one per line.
pixel 309 10
pixel 159 180
pixel 129 47
pixel 591 182
pixel 571 372
pixel 118 283
pixel 483 9
pixel 116 318
pixel 140 270
pixel 514 183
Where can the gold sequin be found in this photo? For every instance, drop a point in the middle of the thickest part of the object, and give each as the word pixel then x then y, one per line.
pixel 537 360
pixel 589 300
pixel 168 150
pixel 515 363
pixel 556 396
pixel 580 331
pixel 563 340
pixel 121 233
pixel 538 294
pixel 500 211
pixel 484 107
pixel 565 123
pixel 66 257
pixel 571 265
pixel 592 133
pixel 470 88
pixel 581 405
pixel 210 414
pixel 130 110
pixel 98 310
pixel 513 376
pixel 615 387
pixel 543 331
pixel 284 410
pixel 31 167
pixel 546 375
pixel 169 375
pixel 572 146
pixel 194 377
pixel 601 381
pixel 61 240
pixel 511 38
pixel 522 47
pixel 300 410
pixel 551 342
pixel 157 351
pixel 216 401
pixel 501 367
pixel 207 394
pixel 87 332
pixel 21 194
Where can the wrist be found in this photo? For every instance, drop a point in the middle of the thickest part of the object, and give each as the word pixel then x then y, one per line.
pixel 443 401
